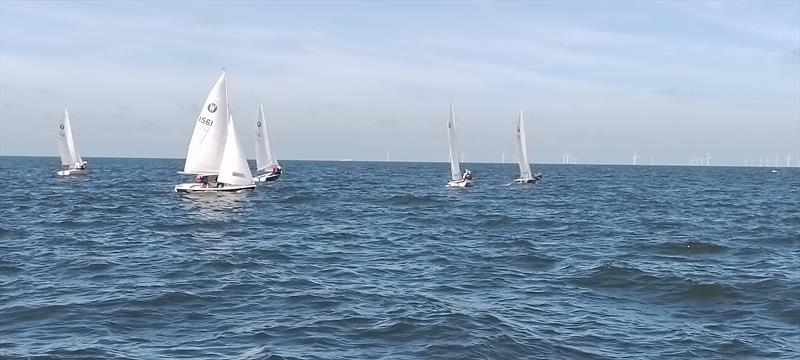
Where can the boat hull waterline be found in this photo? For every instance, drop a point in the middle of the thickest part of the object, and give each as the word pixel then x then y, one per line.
pixel 71 172
pixel 532 180
pixel 195 187
pixel 460 183
pixel 266 177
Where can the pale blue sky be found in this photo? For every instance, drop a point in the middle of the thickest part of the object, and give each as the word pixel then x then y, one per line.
pixel 600 80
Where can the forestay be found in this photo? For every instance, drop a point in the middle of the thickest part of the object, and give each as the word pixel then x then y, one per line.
pixel 66 145
pixel 452 141
pixel 210 132
pixel 234 169
pixel 522 150
pixel 265 158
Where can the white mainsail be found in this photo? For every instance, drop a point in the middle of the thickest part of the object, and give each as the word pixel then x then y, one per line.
pixel 234 169
pixel 452 142
pixel 210 132
pixel 265 158
pixel 522 149
pixel 66 145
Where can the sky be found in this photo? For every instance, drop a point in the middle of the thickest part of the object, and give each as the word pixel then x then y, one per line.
pixel 601 80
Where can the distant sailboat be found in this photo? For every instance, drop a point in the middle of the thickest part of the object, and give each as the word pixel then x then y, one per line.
pixel 265 158
pixel 525 175
pixel 71 162
pixel 215 155
pixel 457 179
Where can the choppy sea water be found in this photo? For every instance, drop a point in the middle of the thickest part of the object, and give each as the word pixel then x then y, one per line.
pixel 357 260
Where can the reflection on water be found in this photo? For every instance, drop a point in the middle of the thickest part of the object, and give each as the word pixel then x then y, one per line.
pixel 216 206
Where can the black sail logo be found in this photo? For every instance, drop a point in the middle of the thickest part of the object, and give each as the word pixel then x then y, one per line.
pixel 212 107
pixel 61 126
pixel 258 124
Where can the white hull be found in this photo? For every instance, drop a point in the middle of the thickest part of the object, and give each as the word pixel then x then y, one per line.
pixel 460 183
pixel 71 172
pixel 532 180
pixel 202 188
pixel 266 177
pixel 525 181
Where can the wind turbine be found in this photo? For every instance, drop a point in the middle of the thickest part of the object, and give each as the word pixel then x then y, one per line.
pixel 788 160
pixel 635 157
pixel 708 159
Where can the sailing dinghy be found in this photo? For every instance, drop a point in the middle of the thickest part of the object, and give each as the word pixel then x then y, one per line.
pixel 71 162
pixel 215 155
pixel 267 167
pixel 525 175
pixel 457 179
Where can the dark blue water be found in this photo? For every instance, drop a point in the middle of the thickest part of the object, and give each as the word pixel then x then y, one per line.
pixel 350 260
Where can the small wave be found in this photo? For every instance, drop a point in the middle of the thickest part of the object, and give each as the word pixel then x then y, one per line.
pixel 13 234
pixel 212 225
pixel 706 292
pixel 9 270
pixel 691 248
pixel 614 276
pixel 526 261
pixel 737 348
pixel 792 220
pixel 261 353
pixel 313 301
pixel 84 353
pixel 98 266
pixel 299 199
pixel 337 236
pixel 171 298
pixel 72 224
pixel 495 221
pixel 411 200
pixel 667 287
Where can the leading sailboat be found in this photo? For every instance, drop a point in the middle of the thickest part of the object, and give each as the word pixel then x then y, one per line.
pixel 71 162
pixel 457 179
pixel 265 158
pixel 215 155
pixel 525 175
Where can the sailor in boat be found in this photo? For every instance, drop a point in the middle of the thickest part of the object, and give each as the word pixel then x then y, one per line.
pixel 276 170
pixel 467 175
pixel 83 165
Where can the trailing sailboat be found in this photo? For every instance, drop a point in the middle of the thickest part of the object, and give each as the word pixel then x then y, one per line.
pixel 525 175
pixel 267 167
pixel 457 179
pixel 71 162
pixel 215 155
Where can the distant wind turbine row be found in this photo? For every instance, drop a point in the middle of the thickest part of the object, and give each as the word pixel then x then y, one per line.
pixel 567 158
pixel 700 160
pixel 764 161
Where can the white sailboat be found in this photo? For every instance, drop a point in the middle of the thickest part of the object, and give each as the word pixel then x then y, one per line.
pixel 457 179
pixel 265 158
pixel 525 175
pixel 71 162
pixel 215 155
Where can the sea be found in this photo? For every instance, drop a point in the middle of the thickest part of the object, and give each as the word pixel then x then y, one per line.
pixel 379 260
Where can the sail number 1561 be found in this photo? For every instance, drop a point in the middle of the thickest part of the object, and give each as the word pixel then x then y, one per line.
pixel 205 120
